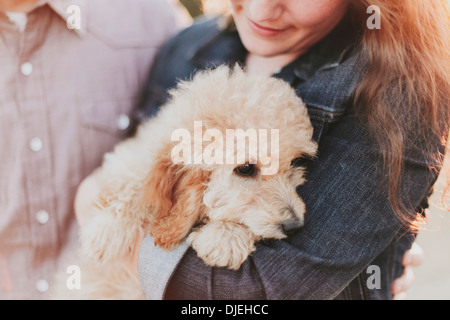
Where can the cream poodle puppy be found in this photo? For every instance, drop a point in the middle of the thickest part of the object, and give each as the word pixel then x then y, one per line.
pixel 186 176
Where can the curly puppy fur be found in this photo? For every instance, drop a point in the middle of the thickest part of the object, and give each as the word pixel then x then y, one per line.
pixel 220 213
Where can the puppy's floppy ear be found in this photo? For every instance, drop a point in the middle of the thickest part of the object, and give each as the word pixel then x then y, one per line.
pixel 174 194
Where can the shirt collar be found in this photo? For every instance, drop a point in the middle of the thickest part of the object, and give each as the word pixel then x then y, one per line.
pixel 66 9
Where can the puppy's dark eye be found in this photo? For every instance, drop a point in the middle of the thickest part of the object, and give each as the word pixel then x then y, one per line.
pixel 246 170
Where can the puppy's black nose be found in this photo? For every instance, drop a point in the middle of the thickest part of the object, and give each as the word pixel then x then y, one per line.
pixel 291 226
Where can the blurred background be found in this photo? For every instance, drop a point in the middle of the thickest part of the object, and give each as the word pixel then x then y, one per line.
pixel 432 278
pixel 194 7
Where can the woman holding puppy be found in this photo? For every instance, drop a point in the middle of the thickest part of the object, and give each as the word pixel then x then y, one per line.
pixel 378 101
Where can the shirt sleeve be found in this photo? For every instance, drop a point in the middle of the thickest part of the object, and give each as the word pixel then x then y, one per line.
pixel 348 223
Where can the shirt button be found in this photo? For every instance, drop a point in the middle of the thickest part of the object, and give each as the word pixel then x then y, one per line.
pixel 123 122
pixel 42 216
pixel 26 68
pixel 36 144
pixel 42 286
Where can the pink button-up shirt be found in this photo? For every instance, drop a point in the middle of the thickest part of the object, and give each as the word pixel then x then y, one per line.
pixel 67 82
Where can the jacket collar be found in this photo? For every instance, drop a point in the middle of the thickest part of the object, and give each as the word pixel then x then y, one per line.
pixel 217 46
pixel 328 53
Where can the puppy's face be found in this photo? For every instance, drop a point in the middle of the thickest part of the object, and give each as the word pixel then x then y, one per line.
pixel 265 202
pixel 268 205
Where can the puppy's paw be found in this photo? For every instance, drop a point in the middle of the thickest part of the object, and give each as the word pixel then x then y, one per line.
pixel 104 238
pixel 222 244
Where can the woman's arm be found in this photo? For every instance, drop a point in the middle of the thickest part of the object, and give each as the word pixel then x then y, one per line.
pixel 349 222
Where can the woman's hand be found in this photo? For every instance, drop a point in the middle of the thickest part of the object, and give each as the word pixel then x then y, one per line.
pixel 412 258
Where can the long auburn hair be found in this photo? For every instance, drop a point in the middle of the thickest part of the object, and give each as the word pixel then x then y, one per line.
pixel 408 79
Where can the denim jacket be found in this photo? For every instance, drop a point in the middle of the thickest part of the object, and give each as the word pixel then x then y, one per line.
pixel 352 244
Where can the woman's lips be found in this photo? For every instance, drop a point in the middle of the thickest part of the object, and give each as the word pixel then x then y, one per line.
pixel 264 31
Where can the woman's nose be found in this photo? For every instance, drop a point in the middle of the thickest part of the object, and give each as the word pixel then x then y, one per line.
pixel 265 10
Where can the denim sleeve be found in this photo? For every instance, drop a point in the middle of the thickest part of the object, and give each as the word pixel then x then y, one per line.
pixel 348 223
